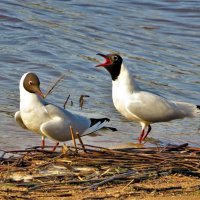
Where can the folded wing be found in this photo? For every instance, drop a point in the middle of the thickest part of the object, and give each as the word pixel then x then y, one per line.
pixel 153 108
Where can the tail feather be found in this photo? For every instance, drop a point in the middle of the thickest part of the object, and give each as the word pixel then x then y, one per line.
pixel 187 109
pixel 95 125
pixel 95 121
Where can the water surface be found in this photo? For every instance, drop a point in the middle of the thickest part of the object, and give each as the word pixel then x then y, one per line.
pixel 159 41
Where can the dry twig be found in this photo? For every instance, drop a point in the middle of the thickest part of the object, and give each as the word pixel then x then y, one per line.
pixel 96 168
pixel 54 85
pixel 73 138
pixel 118 176
pixel 81 142
pixel 66 101
pixel 81 100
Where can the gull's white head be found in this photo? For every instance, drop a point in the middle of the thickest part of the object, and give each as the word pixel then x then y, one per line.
pixel 31 83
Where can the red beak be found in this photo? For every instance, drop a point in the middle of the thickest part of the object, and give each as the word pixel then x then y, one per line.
pixel 107 61
pixel 39 92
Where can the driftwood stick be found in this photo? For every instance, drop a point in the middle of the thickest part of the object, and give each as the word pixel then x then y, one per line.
pixel 38 148
pixel 3 154
pixel 157 189
pixel 26 151
pixel 39 186
pixel 176 147
pixel 54 85
pixel 81 142
pixel 66 101
pixel 73 138
pixel 112 178
pixel 142 155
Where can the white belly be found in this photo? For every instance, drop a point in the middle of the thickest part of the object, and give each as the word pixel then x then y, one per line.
pixel 33 118
pixel 120 99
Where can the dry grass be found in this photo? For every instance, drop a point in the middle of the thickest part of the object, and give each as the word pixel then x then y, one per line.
pixel 99 173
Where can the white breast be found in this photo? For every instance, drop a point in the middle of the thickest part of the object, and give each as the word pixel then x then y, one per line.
pixel 32 111
pixel 122 89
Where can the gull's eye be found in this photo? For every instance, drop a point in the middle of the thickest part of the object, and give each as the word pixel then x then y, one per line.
pixel 115 58
pixel 30 82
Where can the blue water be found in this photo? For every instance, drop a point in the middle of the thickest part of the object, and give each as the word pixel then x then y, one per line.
pixel 159 41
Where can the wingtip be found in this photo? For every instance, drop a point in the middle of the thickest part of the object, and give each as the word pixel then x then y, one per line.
pixel 101 120
pixel 107 119
pixel 111 128
pixel 198 106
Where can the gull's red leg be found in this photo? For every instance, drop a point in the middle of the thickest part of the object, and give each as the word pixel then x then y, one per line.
pixel 141 136
pixel 43 142
pixel 148 131
pixel 54 148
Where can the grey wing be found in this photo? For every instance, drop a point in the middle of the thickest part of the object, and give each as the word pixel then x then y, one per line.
pixel 152 108
pixel 55 111
pixel 56 129
pixel 19 120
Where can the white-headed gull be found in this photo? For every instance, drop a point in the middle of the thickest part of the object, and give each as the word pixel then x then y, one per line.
pixel 49 120
pixel 138 105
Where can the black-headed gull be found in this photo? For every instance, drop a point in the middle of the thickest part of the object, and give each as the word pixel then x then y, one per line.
pixel 49 120
pixel 138 105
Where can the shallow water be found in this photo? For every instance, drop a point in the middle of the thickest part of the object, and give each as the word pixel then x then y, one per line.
pixel 159 41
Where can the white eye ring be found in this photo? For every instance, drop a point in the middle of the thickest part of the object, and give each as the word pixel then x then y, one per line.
pixel 115 58
pixel 30 82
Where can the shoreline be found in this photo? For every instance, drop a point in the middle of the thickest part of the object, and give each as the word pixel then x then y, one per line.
pixel 100 173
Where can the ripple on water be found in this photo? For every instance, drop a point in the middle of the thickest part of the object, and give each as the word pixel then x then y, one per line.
pixel 159 41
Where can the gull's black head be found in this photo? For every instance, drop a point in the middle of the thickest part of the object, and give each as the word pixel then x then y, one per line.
pixel 112 63
pixel 31 84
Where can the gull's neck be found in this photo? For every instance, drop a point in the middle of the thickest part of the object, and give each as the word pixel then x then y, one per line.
pixel 29 100
pixel 125 80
